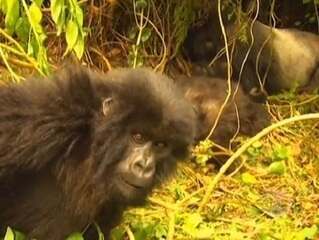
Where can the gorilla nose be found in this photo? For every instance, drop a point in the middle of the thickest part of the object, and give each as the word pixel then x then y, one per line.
pixel 143 170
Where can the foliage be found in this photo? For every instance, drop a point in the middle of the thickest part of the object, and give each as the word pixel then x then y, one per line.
pixel 139 33
pixel 13 235
pixel 25 22
pixel 203 152
pixel 75 236
pixel 184 16
pixel 68 17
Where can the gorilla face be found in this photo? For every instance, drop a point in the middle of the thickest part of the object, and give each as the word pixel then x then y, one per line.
pixel 150 131
pixel 146 163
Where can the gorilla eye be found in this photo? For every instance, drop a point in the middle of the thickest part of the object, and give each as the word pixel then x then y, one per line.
pixel 138 138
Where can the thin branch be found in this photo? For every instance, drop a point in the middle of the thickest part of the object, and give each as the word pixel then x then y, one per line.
pixel 210 188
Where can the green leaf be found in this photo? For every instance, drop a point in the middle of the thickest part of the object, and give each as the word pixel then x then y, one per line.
pixel 79 47
pixel 38 2
pixel 71 33
pixel 147 32
pixel 32 47
pixel 257 144
pixel 117 233
pixel 56 9
pixel 139 61
pixel 42 60
pixel 3 6
pixel 191 223
pixel 75 236
pixel 35 13
pixel 281 152
pixel 247 178
pixel 140 4
pixel 277 167
pixel 12 14
pixel 58 14
pixel 160 231
pixel 264 236
pixel 100 233
pixel 307 233
pixel 22 29
pixel 79 15
pixel 19 236
pixel 143 231
pixel 9 234
pixel 61 21
pixel 132 33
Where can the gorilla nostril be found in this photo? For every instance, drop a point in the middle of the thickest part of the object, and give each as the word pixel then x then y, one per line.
pixel 144 167
pixel 138 166
pixel 149 169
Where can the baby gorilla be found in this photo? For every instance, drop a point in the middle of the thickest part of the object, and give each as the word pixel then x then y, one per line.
pixel 241 114
pixel 81 146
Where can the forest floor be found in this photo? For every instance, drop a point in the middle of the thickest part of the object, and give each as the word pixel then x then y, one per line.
pixel 270 193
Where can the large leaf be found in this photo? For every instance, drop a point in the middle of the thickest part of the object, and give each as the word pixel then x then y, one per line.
pixel 12 14
pixel 79 15
pixel 56 9
pixel 277 167
pixel 75 236
pixel 71 33
pixel 3 6
pixel 79 47
pixel 147 32
pixel 35 13
pixel 9 234
pixel 22 29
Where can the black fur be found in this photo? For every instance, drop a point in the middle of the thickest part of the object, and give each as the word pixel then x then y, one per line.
pixel 58 150
pixel 241 115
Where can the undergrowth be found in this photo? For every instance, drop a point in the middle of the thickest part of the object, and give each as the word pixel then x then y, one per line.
pixel 272 193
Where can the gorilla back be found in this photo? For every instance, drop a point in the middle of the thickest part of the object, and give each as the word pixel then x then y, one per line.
pixel 280 59
pixel 80 146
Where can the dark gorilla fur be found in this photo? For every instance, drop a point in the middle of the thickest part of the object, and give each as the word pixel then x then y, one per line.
pixel 241 114
pixel 60 149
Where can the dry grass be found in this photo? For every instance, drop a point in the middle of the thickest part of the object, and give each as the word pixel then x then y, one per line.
pixel 274 195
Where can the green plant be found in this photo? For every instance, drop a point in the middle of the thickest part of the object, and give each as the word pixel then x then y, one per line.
pixel 25 22
pixel 139 33
pixel 68 17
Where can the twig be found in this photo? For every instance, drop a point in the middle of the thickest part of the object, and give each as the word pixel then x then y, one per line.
pixel 171 226
pixel 13 74
pixel 244 147
pixel 229 90
pixel 129 233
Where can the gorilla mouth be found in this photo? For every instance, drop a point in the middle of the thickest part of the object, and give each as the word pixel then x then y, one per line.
pixel 131 185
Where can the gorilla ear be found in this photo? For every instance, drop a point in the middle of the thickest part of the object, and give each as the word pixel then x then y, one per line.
pixel 107 106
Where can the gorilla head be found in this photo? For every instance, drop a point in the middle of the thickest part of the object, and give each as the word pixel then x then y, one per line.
pixel 149 126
